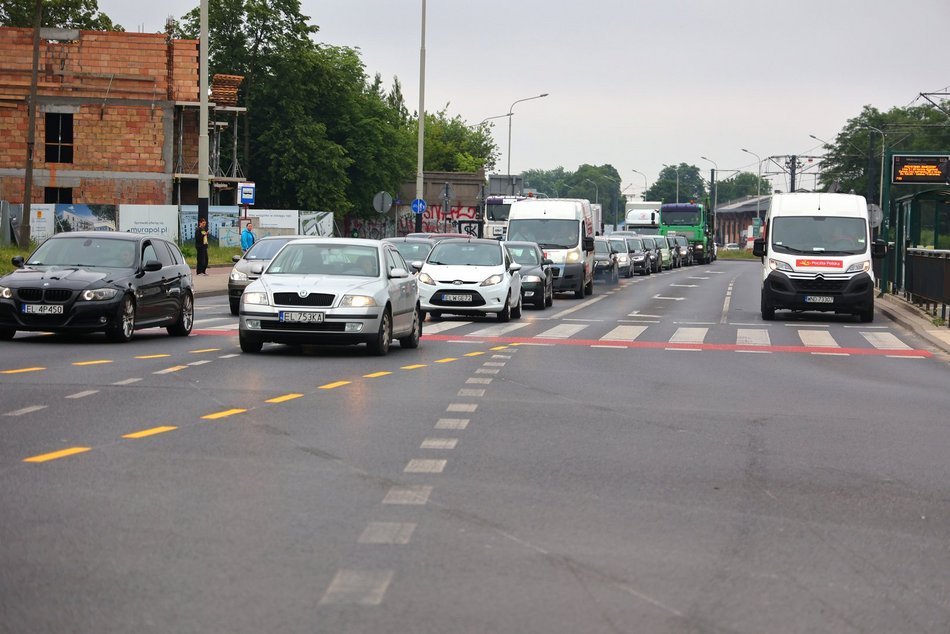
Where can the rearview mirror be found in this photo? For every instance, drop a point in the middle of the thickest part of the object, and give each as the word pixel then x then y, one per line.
pixel 588 243
pixel 878 249
pixel 153 265
pixel 758 247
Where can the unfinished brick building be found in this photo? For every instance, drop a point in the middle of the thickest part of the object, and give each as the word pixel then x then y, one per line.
pixel 116 118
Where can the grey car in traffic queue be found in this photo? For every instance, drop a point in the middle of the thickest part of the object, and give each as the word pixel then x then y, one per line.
pixel 110 281
pixel 336 291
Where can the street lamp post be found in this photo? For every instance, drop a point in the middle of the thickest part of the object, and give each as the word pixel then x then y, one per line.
pixel 645 185
pixel 758 186
pixel 880 194
pixel 596 191
pixel 510 113
pixel 677 168
pixel 715 189
pixel 507 114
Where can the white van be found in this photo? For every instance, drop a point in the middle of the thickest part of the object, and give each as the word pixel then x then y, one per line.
pixel 564 229
pixel 816 253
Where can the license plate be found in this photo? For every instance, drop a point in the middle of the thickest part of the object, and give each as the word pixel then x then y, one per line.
pixel 456 298
pixel 819 299
pixel 301 318
pixel 43 309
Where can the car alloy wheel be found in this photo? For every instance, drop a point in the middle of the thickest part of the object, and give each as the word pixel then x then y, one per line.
pixel 123 327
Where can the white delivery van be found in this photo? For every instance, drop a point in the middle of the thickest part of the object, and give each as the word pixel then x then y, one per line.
pixel 564 229
pixel 816 253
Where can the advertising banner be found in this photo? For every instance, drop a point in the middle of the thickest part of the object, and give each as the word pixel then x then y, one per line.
pixel 155 220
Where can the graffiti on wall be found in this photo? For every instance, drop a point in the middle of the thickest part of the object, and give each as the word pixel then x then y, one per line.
pixel 434 220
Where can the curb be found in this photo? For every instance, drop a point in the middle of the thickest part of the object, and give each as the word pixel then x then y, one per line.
pixel 913 319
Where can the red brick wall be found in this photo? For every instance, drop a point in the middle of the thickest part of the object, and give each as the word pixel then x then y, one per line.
pixel 114 136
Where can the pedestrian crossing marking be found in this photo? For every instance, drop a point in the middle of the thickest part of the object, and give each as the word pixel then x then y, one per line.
pixel 562 331
pixel 624 333
pixel 884 341
pixel 817 339
pixel 689 335
pixel 753 337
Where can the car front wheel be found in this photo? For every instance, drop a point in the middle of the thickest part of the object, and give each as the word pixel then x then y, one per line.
pixel 123 326
pixel 186 318
pixel 6 334
pixel 250 345
pixel 379 346
pixel 412 340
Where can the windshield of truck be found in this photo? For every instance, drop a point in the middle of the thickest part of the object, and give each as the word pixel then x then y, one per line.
pixel 680 217
pixel 497 211
pixel 548 233
pixel 819 234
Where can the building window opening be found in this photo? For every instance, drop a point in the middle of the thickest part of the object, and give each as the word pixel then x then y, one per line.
pixel 58 195
pixel 59 137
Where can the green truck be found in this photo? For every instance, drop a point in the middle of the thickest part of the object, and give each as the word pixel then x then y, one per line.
pixel 695 222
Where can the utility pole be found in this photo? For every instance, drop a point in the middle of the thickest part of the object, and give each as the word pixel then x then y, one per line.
pixel 792 165
pixel 24 238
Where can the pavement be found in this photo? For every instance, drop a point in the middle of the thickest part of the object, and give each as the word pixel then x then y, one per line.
pixel 894 307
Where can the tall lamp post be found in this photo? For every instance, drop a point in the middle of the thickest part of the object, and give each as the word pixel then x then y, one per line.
pixel 420 151
pixel 677 168
pixel 510 113
pixel 715 189
pixel 645 185
pixel 758 186
pixel 596 191
pixel 880 194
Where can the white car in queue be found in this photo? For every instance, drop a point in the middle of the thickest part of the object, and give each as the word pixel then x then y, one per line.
pixel 470 277
pixel 332 291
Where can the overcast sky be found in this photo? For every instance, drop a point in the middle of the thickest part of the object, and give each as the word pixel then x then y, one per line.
pixel 638 84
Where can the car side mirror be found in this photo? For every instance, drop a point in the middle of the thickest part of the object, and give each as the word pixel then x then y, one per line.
pixel 514 267
pixel 547 262
pixel 153 265
pixel 235 258
pixel 397 273
pixel 17 261
pixel 878 249
pixel 416 265
pixel 758 247
pixel 588 243
pixel 257 269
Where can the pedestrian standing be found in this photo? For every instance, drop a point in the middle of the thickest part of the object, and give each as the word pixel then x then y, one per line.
pixel 201 244
pixel 247 237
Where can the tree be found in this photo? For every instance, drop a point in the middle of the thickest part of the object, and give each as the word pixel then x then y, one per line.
pixel 691 185
pixel 551 183
pixel 71 14
pixel 451 145
pixel 741 185
pixel 853 161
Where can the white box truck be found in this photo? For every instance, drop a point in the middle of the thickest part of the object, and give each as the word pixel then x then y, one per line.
pixel 816 254
pixel 564 229
pixel 642 215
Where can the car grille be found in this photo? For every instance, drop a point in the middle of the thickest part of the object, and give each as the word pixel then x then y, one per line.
pixel 55 295
pixel 819 285
pixel 327 326
pixel 313 299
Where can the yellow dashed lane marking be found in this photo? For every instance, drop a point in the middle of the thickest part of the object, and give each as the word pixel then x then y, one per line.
pixel 413 367
pixel 499 348
pixel 284 398
pixel 330 386
pixel 375 375
pixel 224 414
pixel 21 370
pixel 96 362
pixel 205 350
pixel 447 360
pixel 153 356
pixel 150 432
pixel 474 354
pixel 57 454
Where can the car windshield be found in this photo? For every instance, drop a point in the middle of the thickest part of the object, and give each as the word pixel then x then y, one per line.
pixel 525 255
pixel 265 249
pixel 819 234
pixel 85 252
pixel 412 251
pixel 548 233
pixel 601 247
pixel 465 254
pixel 619 245
pixel 326 259
pixel 648 243
pixel 634 244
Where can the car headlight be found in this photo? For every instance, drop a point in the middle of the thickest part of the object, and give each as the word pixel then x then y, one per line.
pixel 357 301
pixel 778 265
pixel 531 278
pixel 255 298
pixel 573 256
pixel 98 294
pixel 6 293
pixel 859 267
pixel 238 276
pixel 698 247
pixel 623 258
pixel 494 279
pixel 638 258
pixel 426 279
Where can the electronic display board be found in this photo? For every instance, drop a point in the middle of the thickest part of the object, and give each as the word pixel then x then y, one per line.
pixel 910 169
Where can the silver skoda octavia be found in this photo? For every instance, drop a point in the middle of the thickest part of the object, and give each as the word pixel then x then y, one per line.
pixel 332 291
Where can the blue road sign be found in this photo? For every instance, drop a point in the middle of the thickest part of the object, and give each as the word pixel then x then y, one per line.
pixel 418 206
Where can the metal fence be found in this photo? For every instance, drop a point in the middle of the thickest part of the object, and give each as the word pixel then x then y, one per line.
pixel 927 280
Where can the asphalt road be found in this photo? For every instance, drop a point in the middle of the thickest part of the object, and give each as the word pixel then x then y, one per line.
pixel 654 458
